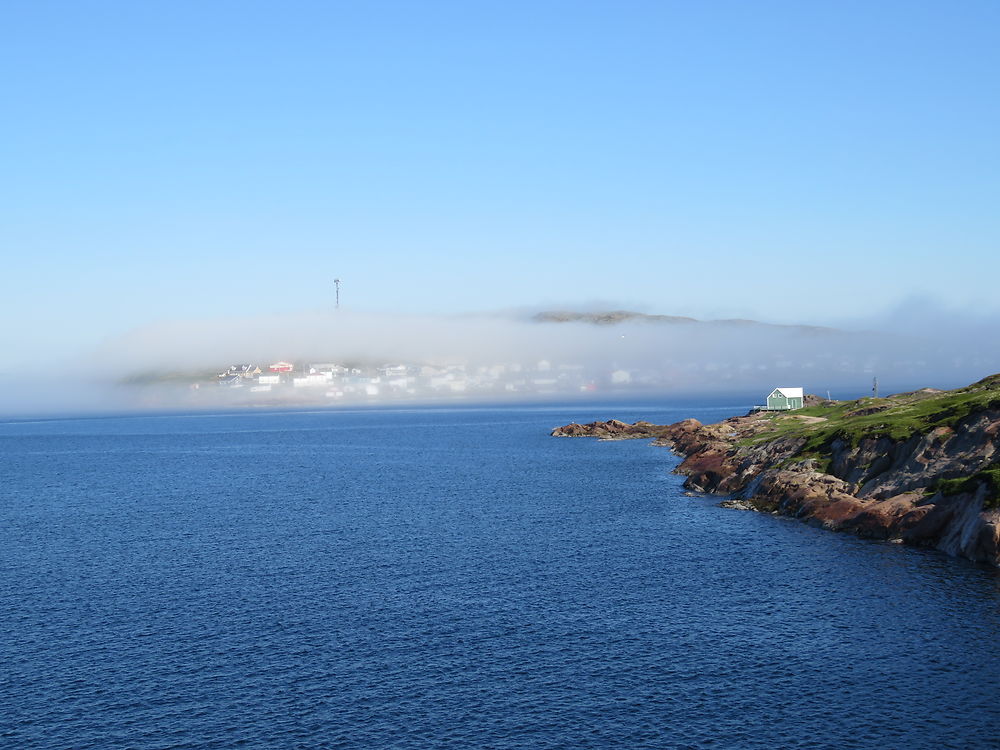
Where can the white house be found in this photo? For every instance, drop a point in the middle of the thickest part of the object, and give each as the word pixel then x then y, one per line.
pixel 621 377
pixel 783 399
pixel 310 380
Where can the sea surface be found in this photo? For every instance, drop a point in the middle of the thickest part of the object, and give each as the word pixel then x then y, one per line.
pixel 454 578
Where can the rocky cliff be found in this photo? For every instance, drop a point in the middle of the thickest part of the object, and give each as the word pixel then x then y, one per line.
pixel 920 468
pixel 613 429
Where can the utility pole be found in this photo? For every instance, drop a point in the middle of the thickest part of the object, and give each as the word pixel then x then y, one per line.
pixel 336 283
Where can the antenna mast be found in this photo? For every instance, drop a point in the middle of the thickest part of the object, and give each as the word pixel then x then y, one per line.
pixel 336 283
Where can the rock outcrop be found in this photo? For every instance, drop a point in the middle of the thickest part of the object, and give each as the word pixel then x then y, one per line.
pixel 612 430
pixel 917 468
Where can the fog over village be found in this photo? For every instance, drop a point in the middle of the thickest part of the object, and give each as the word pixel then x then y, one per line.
pixel 342 357
pixel 476 178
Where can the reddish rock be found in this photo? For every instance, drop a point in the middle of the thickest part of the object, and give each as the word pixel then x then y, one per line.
pixel 613 429
pixel 877 488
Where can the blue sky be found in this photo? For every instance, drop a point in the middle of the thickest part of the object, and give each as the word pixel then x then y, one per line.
pixel 189 160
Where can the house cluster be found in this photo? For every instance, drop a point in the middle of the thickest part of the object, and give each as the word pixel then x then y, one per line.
pixel 340 381
pixel 313 381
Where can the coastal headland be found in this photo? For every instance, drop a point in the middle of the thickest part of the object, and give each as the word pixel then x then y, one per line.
pixel 919 468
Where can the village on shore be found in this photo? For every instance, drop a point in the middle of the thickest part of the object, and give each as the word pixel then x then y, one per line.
pixel 332 382
pixel 344 382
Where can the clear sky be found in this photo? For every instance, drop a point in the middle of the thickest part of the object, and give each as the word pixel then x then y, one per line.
pixel 789 161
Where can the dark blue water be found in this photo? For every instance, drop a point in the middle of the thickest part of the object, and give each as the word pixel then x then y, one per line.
pixel 454 579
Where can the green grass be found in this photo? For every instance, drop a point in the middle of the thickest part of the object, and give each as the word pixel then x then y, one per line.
pixel 897 417
pixel 989 475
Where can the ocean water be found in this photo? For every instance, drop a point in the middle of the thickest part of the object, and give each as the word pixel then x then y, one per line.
pixel 454 579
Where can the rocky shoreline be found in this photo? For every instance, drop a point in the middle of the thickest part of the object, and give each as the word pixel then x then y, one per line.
pixel 878 486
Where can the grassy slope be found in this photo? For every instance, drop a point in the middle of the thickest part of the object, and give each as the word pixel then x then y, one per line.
pixel 898 418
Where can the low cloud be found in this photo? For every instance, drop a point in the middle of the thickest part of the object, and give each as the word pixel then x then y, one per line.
pixel 159 366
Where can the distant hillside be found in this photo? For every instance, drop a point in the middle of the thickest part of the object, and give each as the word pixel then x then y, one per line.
pixel 606 318
pixel 614 317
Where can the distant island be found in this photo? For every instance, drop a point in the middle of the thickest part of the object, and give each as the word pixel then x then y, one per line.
pixel 918 468
pixel 615 317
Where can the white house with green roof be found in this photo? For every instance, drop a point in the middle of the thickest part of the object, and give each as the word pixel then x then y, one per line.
pixel 783 399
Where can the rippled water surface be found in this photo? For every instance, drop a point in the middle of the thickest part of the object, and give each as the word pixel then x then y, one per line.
pixel 436 579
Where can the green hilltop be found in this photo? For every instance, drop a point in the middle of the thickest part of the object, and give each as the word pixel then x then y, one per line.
pixel 897 418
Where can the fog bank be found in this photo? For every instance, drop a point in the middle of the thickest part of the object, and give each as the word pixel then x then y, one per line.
pixel 385 358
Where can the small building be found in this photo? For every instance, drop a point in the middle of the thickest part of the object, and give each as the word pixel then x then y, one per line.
pixel 237 373
pixel 621 377
pixel 783 399
pixel 318 378
pixel 390 371
pixel 281 367
pixel 333 368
